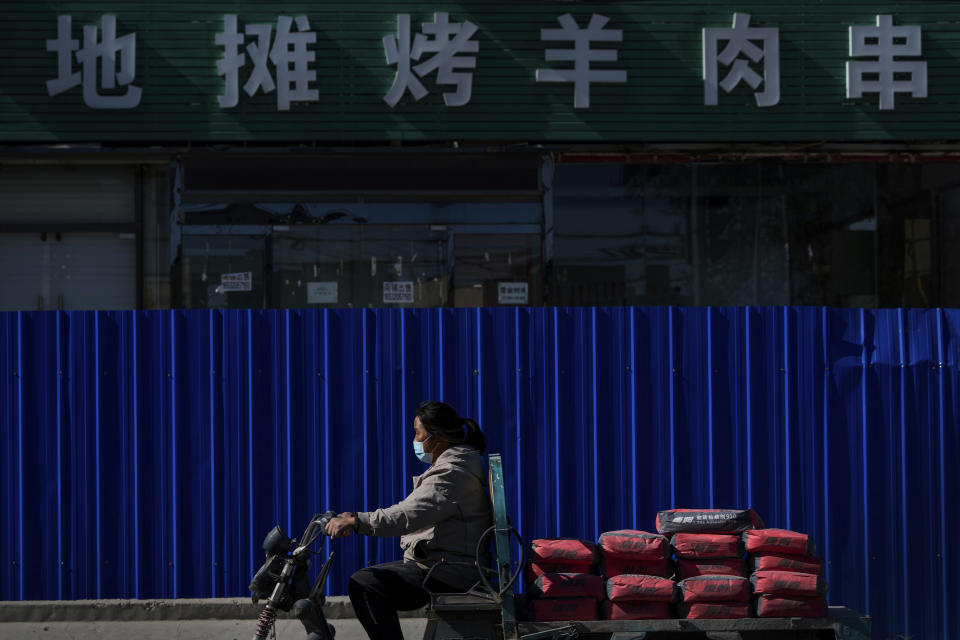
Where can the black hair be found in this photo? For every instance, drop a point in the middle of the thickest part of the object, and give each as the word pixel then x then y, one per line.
pixel 439 418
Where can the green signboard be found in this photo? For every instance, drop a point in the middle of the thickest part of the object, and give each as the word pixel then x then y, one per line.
pixel 631 71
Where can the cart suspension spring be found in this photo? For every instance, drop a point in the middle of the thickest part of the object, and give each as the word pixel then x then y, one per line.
pixel 265 622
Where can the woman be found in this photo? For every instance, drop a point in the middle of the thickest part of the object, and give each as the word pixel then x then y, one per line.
pixel 439 522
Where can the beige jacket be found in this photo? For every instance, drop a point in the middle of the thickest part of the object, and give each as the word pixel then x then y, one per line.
pixel 443 517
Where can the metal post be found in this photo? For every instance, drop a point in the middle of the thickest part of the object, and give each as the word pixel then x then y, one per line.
pixel 502 539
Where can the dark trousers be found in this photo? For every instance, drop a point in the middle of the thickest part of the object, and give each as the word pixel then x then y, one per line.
pixel 378 592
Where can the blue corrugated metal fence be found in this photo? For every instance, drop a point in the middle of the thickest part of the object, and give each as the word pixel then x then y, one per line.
pixel 145 454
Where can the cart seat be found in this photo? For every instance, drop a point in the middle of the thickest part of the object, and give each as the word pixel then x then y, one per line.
pixel 463 615
pixel 462 602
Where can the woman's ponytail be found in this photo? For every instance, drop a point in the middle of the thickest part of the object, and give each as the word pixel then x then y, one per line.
pixel 439 418
pixel 474 436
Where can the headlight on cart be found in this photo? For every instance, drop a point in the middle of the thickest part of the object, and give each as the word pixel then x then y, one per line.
pixel 277 543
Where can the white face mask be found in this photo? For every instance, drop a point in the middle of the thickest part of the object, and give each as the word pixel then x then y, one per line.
pixel 424 457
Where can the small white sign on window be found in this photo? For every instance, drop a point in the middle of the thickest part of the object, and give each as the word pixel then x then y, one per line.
pixel 398 292
pixel 512 293
pixel 321 293
pixel 241 281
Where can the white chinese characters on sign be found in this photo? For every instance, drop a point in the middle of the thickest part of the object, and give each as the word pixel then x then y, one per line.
pixel 322 292
pixel 581 55
pixel 282 60
pixel 740 40
pixel 239 281
pixel 885 47
pixel 398 292
pixel 512 293
pixel 446 41
pixel 289 54
pixel 105 51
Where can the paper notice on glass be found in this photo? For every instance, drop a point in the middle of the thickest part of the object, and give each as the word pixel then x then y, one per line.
pixel 398 293
pixel 321 293
pixel 512 293
pixel 241 281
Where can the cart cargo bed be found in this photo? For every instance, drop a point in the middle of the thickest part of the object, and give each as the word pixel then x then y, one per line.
pixel 841 623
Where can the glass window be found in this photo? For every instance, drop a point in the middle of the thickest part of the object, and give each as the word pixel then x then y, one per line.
pixel 496 269
pixel 832 217
pixel 69 236
pixel 755 233
pixel 35 194
pixel 739 253
pixel 222 271
pixel 752 232
pixel 606 236
pixel 946 240
pixel 381 254
pixel 69 271
pixel 359 265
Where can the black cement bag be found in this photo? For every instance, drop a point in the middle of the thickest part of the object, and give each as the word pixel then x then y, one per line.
pixel 674 521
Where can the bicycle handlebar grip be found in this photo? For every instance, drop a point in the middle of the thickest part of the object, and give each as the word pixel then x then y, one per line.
pixel 324 519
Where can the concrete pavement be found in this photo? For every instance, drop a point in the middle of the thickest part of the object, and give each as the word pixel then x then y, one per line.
pixel 347 629
pixel 186 619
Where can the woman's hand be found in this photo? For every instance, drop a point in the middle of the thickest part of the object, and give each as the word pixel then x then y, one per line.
pixel 341 526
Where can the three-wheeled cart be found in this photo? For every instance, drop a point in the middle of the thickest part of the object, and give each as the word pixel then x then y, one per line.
pixel 490 613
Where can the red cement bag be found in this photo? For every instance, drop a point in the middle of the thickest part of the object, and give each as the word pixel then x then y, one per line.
pixel 563 551
pixel 780 562
pixel 568 585
pixel 694 610
pixel 770 606
pixel 534 570
pixel 779 541
pixel 707 521
pixel 628 543
pixel 714 589
pixel 788 583
pixel 636 610
pixel 712 567
pixel 618 566
pixel 553 609
pixel 628 587
pixel 700 546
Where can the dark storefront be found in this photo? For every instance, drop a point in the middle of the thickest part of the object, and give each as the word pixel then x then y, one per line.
pixel 609 232
pixel 199 174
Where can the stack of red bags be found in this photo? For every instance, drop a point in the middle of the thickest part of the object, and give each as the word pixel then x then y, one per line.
pixel 787 576
pixel 636 565
pixel 561 580
pixel 711 575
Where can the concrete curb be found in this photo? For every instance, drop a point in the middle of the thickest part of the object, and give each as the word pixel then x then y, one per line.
pixel 336 607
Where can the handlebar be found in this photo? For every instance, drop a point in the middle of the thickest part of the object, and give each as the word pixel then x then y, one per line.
pixel 282 579
pixel 315 529
pixel 282 552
